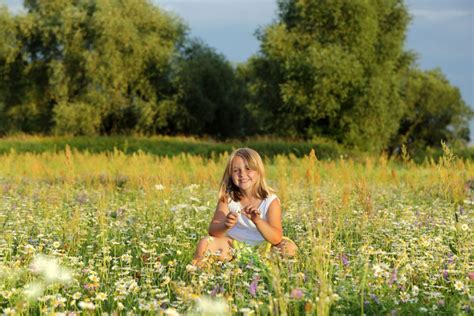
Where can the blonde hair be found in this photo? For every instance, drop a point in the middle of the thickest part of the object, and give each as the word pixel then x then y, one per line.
pixel 229 190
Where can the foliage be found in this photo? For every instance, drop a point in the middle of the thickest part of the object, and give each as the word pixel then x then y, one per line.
pixel 435 112
pixel 76 119
pixel 103 57
pixel 209 93
pixel 333 68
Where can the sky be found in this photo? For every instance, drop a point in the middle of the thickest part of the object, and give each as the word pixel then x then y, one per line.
pixel 441 32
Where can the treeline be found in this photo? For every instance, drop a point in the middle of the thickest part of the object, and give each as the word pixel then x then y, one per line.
pixel 325 69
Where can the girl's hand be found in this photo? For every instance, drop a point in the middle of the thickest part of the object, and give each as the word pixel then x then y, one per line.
pixel 231 219
pixel 251 213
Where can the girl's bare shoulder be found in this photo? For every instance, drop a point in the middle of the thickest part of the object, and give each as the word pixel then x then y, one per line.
pixel 274 201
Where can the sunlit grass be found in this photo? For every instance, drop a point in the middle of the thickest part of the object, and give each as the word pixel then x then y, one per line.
pixel 374 236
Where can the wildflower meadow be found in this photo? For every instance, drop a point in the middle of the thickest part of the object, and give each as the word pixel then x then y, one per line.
pixel 93 233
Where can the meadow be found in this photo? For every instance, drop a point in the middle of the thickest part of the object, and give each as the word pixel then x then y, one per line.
pixel 90 233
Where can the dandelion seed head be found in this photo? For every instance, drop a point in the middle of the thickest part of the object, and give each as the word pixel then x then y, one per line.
pixel 86 305
pixel 159 187
pixel 33 290
pixel 50 270
pixel 9 311
pixel 246 311
pixel 208 306
pixel 171 312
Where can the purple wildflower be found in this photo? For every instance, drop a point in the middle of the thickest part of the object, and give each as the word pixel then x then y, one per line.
pixel 450 258
pixel 344 260
pixel 445 274
pixel 33 242
pixel 253 286
pixel 296 294
pixel 6 188
pixel 375 298
pixel 217 290
pixel 471 276
pixel 393 277
pixel 82 198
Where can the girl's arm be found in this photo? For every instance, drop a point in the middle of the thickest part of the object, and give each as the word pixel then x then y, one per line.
pixel 271 229
pixel 222 221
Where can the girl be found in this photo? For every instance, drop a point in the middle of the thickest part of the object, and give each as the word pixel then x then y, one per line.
pixel 247 210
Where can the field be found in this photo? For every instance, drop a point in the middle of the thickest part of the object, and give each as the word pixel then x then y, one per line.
pixel 110 232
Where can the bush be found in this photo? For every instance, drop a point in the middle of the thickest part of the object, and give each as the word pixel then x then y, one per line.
pixel 76 119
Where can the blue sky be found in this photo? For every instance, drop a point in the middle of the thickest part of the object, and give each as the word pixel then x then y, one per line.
pixel 441 32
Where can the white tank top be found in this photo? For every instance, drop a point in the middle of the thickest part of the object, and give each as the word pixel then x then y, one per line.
pixel 245 230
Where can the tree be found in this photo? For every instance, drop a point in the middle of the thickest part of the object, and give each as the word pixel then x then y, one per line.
pixel 93 61
pixel 332 68
pixel 435 112
pixel 209 93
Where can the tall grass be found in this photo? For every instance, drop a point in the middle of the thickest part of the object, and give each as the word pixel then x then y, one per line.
pixel 374 236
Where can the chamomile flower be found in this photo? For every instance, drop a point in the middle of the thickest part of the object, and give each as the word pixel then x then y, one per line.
pixel 404 297
pixel 458 285
pixel 76 296
pixel 415 290
pixel 101 296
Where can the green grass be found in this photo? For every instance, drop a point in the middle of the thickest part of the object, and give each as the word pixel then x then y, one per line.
pixel 168 146
pixel 175 145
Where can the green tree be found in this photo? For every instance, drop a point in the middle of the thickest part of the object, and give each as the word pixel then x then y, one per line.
pixel 435 112
pixel 332 68
pixel 102 62
pixel 210 93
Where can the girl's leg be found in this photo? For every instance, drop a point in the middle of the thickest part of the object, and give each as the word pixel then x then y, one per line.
pixel 219 246
pixel 287 248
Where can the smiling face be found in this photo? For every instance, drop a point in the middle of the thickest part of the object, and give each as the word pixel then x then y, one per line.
pixel 242 175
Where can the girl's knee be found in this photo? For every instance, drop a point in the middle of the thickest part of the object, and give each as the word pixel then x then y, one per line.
pixel 203 245
pixel 205 240
pixel 291 248
pixel 287 248
pixel 215 246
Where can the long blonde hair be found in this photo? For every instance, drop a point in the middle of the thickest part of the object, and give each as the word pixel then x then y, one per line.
pixel 229 190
